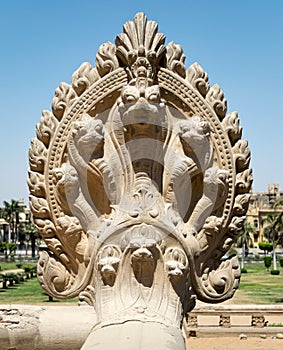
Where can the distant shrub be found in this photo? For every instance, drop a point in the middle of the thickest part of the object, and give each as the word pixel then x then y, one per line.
pixel 30 270
pixel 3 247
pixel 265 246
pixel 244 270
pixel 275 272
pixel 281 262
pixel 267 261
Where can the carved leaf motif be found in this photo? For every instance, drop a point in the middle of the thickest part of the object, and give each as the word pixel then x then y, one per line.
pixel 141 236
pixel 39 207
pixel 241 204
pixel 36 184
pixel 87 296
pixel 70 232
pixel 242 155
pixel 232 127
pixel 223 281
pixel 244 181
pixel 175 59
pixel 176 263
pixel 45 227
pixel 236 225
pixel 45 129
pixel 64 96
pixel 215 97
pixel 37 155
pixel 52 275
pixel 140 32
pixel 198 78
pixel 55 245
pixel 106 60
pixel 64 249
pixel 140 35
pixel 85 76
pixel 68 225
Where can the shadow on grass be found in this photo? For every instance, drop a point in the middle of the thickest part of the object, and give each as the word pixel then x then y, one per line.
pixel 3 290
pixel 277 301
pixel 52 301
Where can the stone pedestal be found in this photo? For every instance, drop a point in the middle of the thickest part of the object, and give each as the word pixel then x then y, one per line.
pixel 135 335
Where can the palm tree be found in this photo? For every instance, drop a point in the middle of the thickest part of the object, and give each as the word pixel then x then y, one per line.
pixel 244 240
pixel 10 213
pixel 274 230
pixel 33 234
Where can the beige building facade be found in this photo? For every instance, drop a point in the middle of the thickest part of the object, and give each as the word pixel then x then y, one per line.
pixel 261 204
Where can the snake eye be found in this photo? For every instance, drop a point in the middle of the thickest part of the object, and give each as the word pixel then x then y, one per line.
pixel 130 98
pixel 153 98
pixel 130 94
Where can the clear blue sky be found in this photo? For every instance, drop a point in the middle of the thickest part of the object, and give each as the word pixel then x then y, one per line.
pixel 238 43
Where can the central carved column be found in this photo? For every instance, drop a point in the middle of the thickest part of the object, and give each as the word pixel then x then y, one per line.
pixel 139 185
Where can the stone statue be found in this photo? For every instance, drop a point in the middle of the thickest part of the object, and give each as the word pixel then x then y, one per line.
pixel 139 185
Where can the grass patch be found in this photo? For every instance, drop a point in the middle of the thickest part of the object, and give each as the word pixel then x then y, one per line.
pixel 27 292
pixel 258 286
pixel 8 266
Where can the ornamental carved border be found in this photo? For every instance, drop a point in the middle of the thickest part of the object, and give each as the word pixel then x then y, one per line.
pixel 139 182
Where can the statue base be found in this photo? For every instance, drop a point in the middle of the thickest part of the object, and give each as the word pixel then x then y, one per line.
pixel 135 335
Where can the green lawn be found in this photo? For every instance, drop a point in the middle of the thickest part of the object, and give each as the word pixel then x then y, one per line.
pixel 257 286
pixel 8 266
pixel 27 292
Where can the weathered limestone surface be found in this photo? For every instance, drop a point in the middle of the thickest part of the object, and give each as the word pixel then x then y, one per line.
pixel 136 335
pixel 139 185
pixel 26 327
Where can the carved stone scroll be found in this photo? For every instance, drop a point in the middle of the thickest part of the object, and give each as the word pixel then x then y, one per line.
pixel 139 185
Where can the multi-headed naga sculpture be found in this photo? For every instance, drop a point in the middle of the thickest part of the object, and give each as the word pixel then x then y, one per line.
pixel 139 185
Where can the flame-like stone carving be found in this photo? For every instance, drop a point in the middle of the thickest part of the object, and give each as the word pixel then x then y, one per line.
pixel 139 185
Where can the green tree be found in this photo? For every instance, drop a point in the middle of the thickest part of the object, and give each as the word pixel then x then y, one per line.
pixel 267 261
pixel 8 249
pixel 265 246
pixel 10 213
pixel 31 230
pixel 244 240
pixel 274 230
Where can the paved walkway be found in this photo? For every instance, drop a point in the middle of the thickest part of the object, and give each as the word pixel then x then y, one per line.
pixel 234 343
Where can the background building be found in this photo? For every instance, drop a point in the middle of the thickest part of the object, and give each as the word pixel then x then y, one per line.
pixel 260 207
